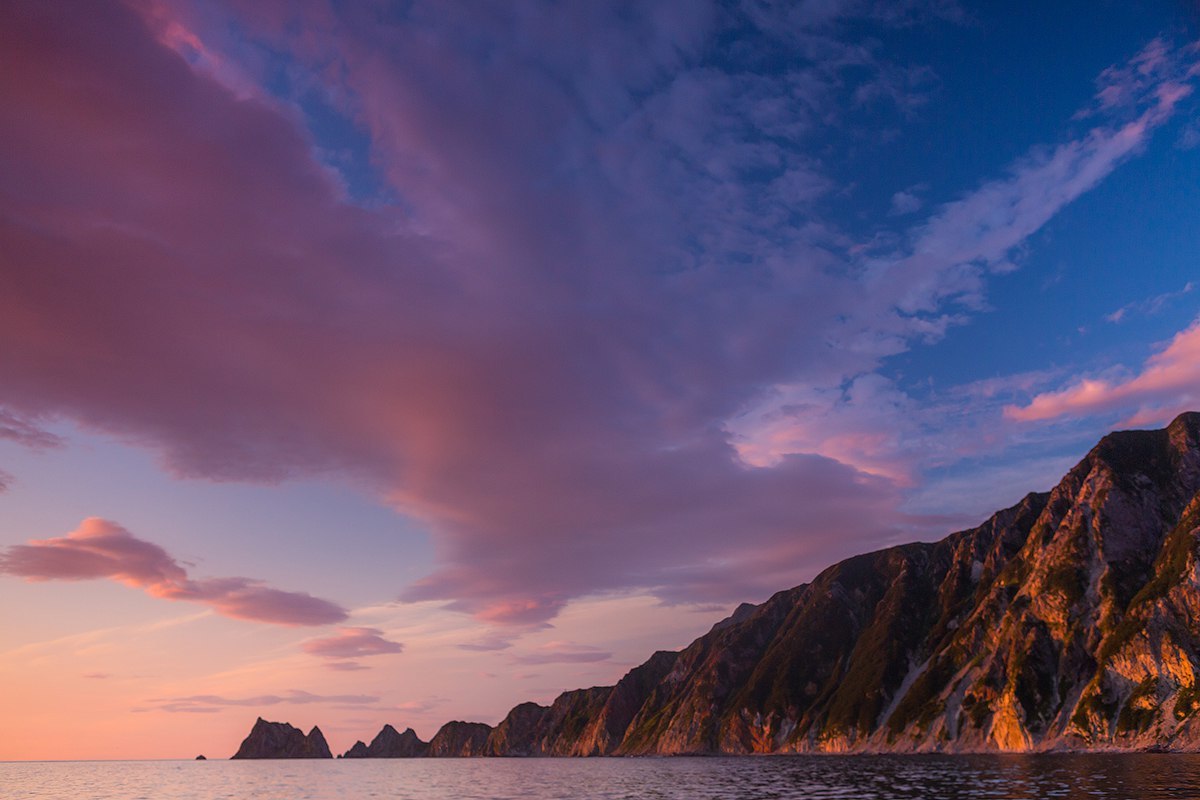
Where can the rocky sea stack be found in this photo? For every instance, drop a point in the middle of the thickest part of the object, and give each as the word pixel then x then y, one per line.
pixel 1070 621
pixel 390 744
pixel 281 740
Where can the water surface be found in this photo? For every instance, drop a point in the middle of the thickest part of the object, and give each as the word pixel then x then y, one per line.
pixel 1076 777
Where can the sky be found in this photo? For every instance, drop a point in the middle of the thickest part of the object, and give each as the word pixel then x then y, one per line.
pixel 372 362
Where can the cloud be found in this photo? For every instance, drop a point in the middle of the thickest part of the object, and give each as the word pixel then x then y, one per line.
pixel 487 645
pixel 1167 384
pixel 421 706
pixel 592 245
pixel 563 653
pixel 905 202
pixel 1189 137
pixel 932 283
pixel 204 703
pixel 950 253
pixel 1149 306
pixel 102 549
pixel 495 368
pixel 25 431
pixel 352 643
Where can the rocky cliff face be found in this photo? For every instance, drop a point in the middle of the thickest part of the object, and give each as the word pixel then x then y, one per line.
pixel 1069 621
pixel 281 740
pixel 457 739
pixel 1066 622
pixel 390 744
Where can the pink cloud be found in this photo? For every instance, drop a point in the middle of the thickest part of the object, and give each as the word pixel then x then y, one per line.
pixel 1168 383
pixel 352 643
pixel 102 549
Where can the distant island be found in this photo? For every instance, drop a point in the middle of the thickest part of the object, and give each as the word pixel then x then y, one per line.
pixel 1070 621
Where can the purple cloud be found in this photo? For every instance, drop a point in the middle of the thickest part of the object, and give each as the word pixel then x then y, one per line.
pixel 563 653
pixel 487 644
pixel 102 549
pixel 25 431
pixel 1150 306
pixel 534 337
pixel 352 643
pixel 206 703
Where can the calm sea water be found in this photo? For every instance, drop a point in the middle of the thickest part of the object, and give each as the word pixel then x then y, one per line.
pixel 1121 777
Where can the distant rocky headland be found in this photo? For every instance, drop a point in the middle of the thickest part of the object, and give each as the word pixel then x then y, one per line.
pixel 280 740
pixel 1070 621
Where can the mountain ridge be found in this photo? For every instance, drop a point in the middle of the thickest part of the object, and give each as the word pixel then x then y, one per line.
pixel 1068 621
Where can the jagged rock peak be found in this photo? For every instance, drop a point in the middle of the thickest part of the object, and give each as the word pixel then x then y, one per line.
pixel 281 740
pixel 388 743
pixel 740 614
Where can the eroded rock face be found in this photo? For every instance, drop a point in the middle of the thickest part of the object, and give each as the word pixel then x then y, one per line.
pixel 457 739
pixel 519 733
pixel 1070 621
pixel 388 743
pixel 281 740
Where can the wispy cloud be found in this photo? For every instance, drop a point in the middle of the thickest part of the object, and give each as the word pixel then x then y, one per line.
pixel 99 548
pixel 906 202
pixel 202 703
pixel 950 253
pixel 1167 384
pixel 938 278
pixel 26 431
pixel 563 653
pixel 1149 306
pixel 487 644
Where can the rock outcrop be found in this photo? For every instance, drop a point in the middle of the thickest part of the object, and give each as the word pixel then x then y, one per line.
pixel 390 744
pixel 459 739
pixel 281 740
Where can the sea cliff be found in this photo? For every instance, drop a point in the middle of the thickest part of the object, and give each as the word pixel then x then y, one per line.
pixel 1070 621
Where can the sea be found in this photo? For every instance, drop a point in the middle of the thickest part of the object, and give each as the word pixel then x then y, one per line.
pixel 1003 777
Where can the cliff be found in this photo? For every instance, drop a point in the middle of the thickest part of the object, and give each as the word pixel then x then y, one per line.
pixel 1070 621
pixel 281 740
pixel 457 739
